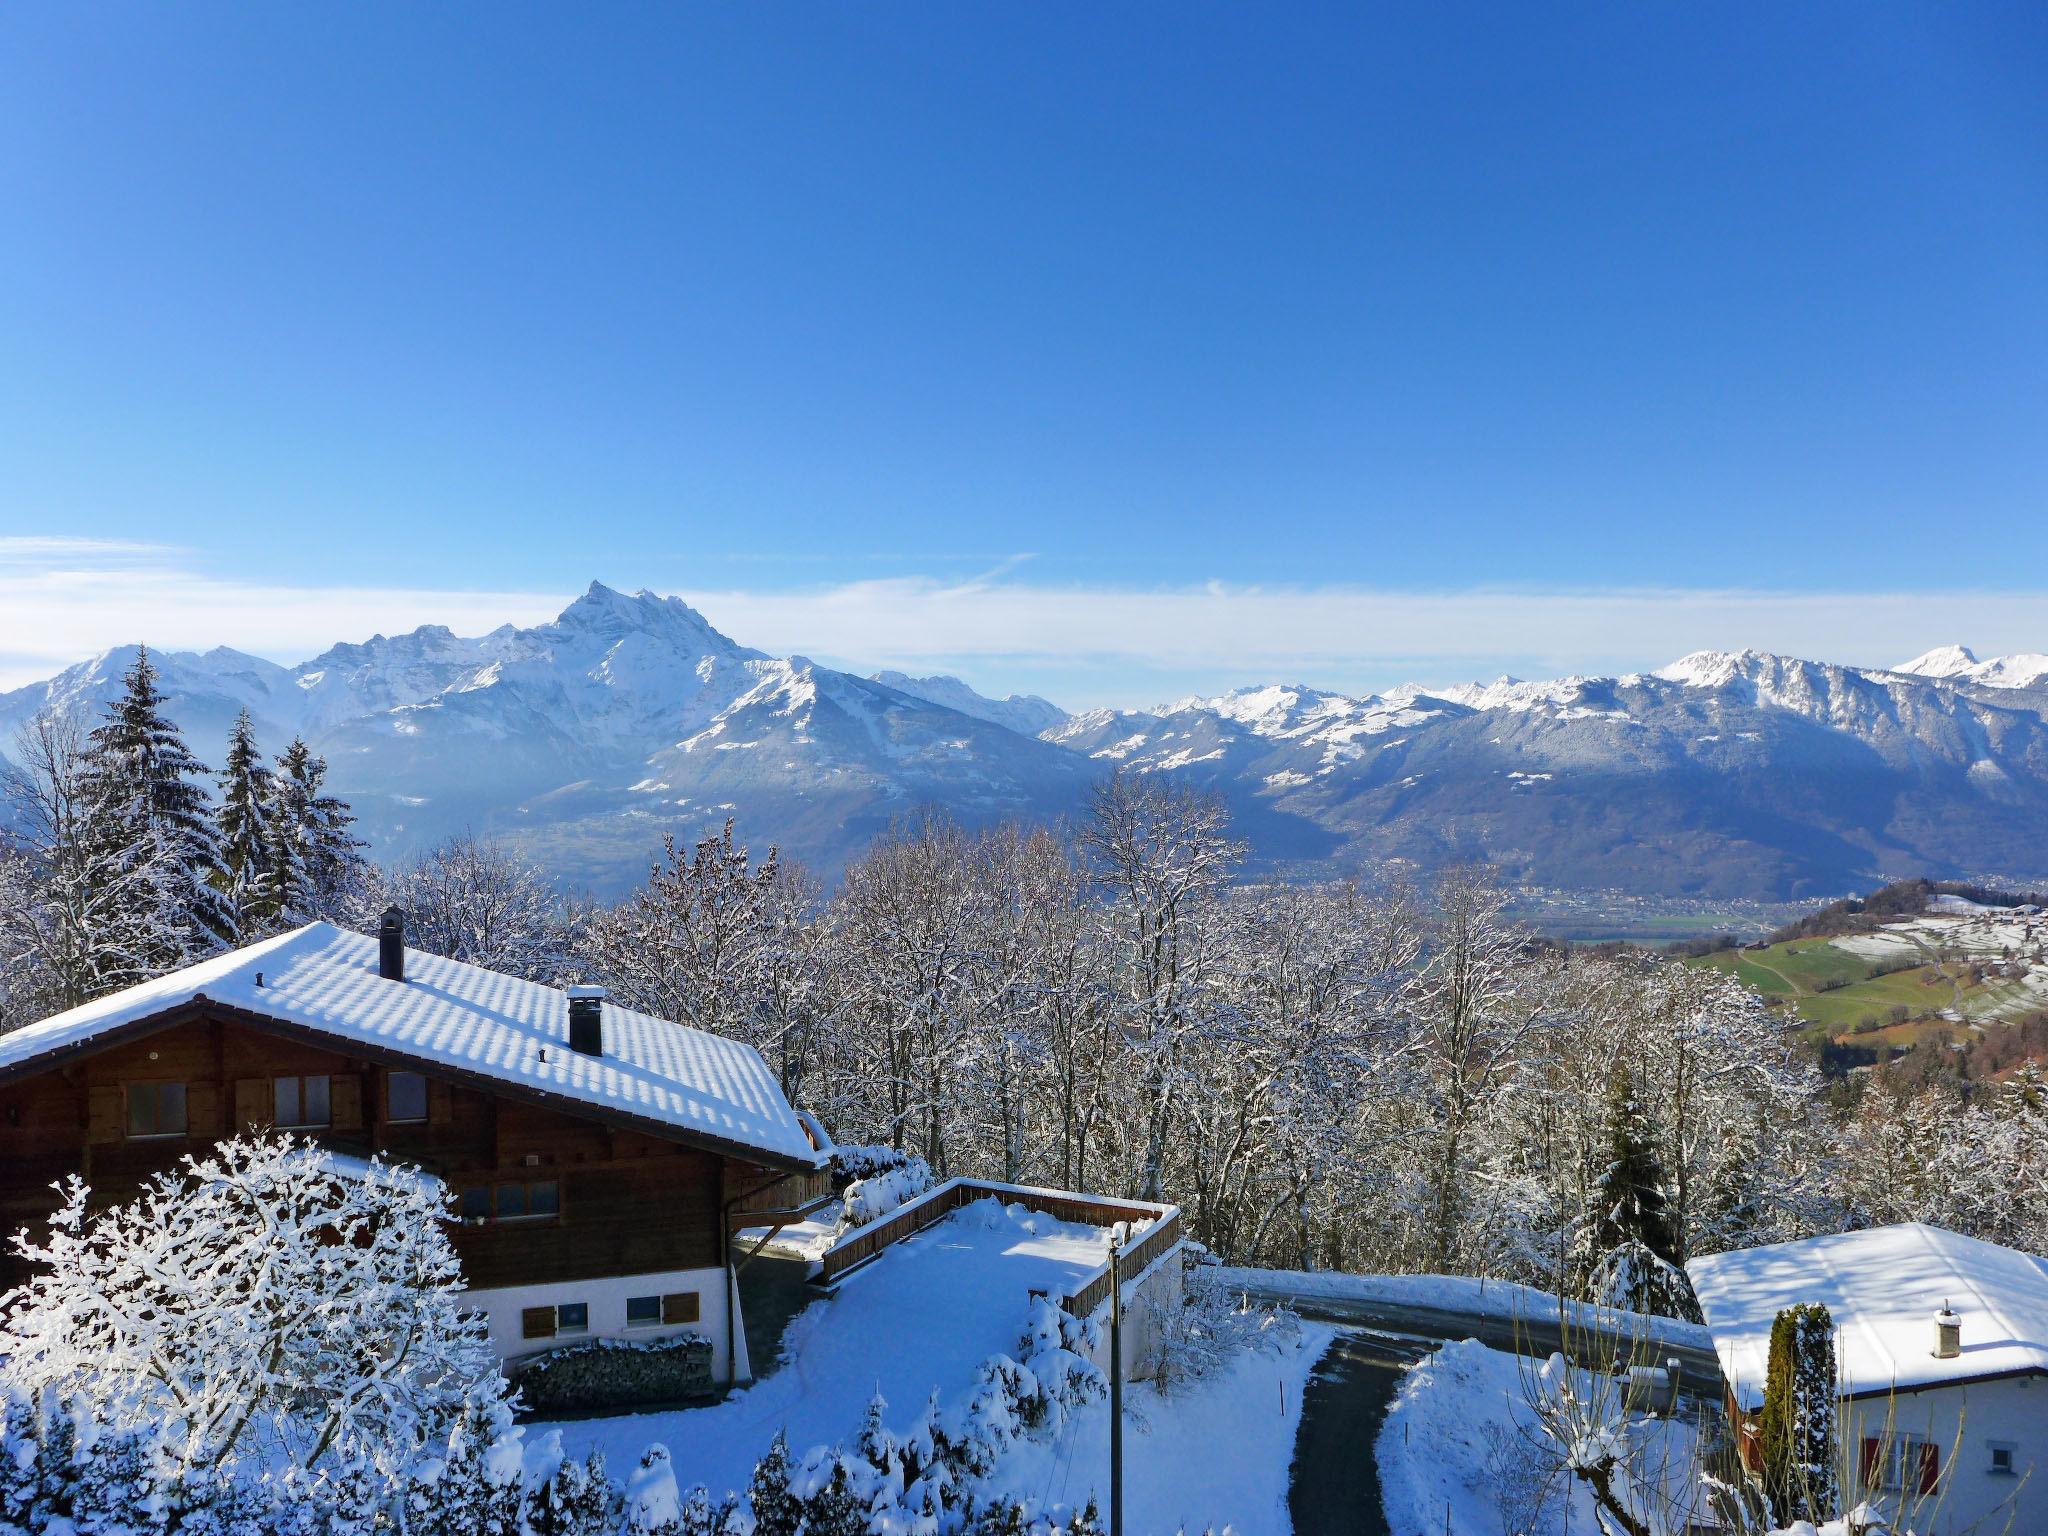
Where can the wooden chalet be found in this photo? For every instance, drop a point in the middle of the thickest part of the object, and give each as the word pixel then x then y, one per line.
pixel 600 1160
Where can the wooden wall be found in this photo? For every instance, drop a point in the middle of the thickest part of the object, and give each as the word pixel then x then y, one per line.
pixel 630 1203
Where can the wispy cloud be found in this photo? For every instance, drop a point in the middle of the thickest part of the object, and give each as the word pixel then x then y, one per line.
pixel 64 599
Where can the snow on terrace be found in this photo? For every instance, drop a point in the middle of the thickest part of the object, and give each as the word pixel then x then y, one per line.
pixel 1883 1287
pixel 325 980
pixel 922 1317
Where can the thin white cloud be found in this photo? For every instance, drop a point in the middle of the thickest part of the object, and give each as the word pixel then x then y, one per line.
pixel 65 599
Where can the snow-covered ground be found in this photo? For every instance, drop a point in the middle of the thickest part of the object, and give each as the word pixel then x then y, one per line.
pixel 923 1317
pixel 1461 1453
pixel 1503 1300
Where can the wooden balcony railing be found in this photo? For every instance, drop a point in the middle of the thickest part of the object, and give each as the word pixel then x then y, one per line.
pixel 1162 1229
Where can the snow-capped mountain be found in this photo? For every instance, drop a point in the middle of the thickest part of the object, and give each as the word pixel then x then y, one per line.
pixel 1723 774
pixel 2024 670
pixel 585 739
pixel 1025 712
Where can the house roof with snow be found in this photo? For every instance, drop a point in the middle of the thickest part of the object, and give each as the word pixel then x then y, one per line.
pixel 462 1021
pixel 1883 1288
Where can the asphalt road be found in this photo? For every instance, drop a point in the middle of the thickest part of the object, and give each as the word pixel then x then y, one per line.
pixel 1699 1370
pixel 1334 1484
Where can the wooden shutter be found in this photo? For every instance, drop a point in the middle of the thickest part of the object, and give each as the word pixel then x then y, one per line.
pixel 1930 1466
pixel 679 1307
pixel 105 1114
pixel 537 1322
pixel 440 1103
pixel 1873 1466
pixel 345 1101
pixel 254 1102
pixel 202 1109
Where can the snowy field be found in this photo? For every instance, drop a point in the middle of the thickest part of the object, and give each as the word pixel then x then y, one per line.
pixel 1958 928
pixel 1461 1453
pixel 922 1318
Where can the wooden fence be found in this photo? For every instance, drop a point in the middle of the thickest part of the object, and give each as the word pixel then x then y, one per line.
pixel 864 1243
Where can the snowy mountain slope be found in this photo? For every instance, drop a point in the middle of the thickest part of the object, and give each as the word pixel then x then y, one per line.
pixel 1723 774
pixel 1956 663
pixel 585 739
pixel 1023 712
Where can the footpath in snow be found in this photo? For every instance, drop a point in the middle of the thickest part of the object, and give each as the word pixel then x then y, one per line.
pixel 923 1317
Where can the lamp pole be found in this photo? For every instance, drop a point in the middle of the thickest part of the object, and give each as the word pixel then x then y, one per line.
pixel 1116 1379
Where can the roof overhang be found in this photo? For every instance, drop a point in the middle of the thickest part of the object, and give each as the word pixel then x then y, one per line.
pixel 199 1008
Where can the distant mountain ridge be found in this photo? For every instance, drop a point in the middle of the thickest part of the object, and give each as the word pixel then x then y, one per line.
pixel 583 740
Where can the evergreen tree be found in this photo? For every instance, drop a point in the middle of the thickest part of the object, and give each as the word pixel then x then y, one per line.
pixel 1631 1203
pixel 316 863
pixel 777 1510
pixel 1800 1475
pixel 143 784
pixel 1087 1523
pixel 834 1510
pixel 247 845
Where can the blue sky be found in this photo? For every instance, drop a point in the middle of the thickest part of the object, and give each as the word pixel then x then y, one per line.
pixel 812 312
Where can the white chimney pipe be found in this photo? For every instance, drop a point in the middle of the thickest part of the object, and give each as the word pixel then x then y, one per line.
pixel 1948 1334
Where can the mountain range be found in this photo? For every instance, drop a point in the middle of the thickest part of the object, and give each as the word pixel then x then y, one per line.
pixel 583 740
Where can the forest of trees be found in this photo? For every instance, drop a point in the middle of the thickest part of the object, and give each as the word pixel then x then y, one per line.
pixel 1374 1075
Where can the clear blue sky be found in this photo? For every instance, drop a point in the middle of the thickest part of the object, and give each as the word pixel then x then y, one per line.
pixel 783 296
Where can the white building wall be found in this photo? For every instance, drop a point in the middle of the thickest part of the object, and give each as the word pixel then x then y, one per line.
pixel 716 1299
pixel 1965 1421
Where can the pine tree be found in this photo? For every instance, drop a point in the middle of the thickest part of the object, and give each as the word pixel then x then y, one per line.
pixel 777 1510
pixel 1087 1523
pixel 316 864
pixel 1631 1202
pixel 1798 1431
pixel 143 784
pixel 834 1510
pixel 247 796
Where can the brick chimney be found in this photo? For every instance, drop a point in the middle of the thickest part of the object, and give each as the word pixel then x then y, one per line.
pixel 586 1020
pixel 391 944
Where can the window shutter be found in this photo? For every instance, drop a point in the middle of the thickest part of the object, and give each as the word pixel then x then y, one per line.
pixel 679 1307
pixel 105 1114
pixel 440 1104
pixel 202 1109
pixel 1930 1466
pixel 345 1101
pixel 1873 1451
pixel 253 1103
pixel 537 1322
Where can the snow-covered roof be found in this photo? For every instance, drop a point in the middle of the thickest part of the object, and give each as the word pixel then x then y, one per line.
pixel 1883 1287
pixel 324 980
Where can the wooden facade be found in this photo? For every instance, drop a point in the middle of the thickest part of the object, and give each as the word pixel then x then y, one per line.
pixel 588 1196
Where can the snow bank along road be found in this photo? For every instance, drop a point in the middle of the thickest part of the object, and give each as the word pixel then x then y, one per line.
pixel 1500 1314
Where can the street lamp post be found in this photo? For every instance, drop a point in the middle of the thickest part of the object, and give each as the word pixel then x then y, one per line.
pixel 1117 1234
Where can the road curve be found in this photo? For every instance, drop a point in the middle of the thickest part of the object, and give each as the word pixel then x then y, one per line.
pixel 1699 1369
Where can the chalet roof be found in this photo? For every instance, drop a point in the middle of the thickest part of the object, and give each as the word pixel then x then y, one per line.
pixel 469 1021
pixel 1882 1286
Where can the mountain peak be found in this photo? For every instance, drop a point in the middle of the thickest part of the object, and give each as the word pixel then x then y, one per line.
pixel 1942 661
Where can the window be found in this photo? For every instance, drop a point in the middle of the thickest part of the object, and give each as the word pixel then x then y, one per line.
pixel 1904 1464
pixel 643 1311
pixel 512 1202
pixel 156 1109
pixel 547 1322
pixel 405 1095
pixel 300 1101
pixel 2002 1452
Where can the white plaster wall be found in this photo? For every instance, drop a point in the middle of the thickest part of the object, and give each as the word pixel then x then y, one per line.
pixel 1148 1300
pixel 1963 1420
pixel 607 1302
